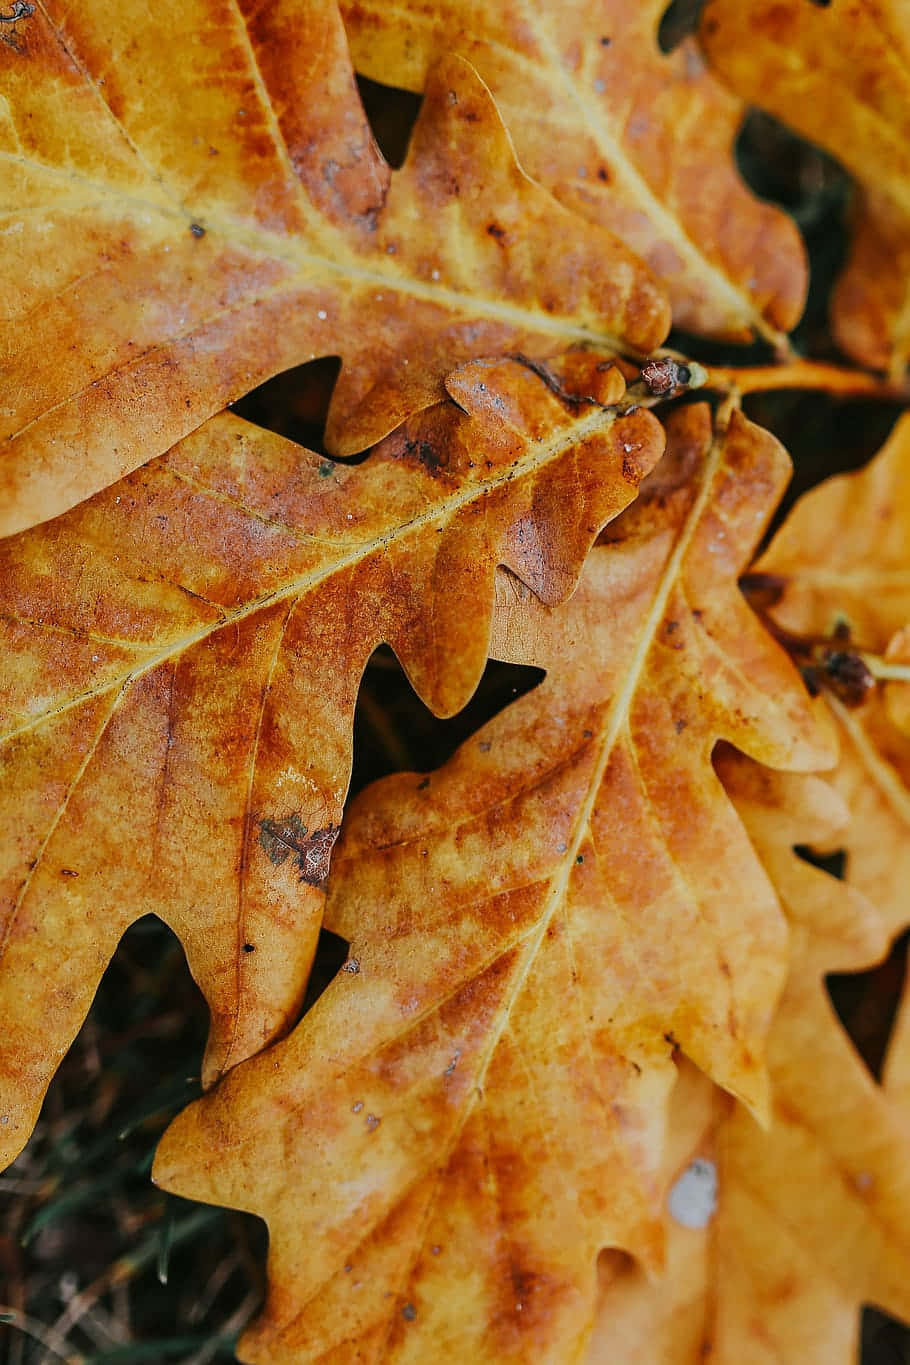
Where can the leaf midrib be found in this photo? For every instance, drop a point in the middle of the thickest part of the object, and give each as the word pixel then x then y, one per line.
pixel 616 719
pixel 541 454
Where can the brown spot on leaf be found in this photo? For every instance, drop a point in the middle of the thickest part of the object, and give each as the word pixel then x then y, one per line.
pixel 433 458
pixel 282 839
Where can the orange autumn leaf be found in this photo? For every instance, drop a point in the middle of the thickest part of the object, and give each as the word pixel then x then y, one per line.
pixel 836 72
pixel 477 1101
pixel 838 575
pixel 634 139
pixel 181 662
pixel 810 1219
pixel 176 231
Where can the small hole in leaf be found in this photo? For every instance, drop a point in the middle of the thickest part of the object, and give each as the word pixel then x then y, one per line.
pixel 679 20
pixel 820 4
pixel 833 863
pixel 392 114
pixel 614 1265
pixel 294 403
pixel 867 1002
pixel 395 732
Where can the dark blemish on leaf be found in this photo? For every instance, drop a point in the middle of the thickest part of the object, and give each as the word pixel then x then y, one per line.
pixel 352 966
pixel 348 1268
pixel 197 229
pixel 668 1038
pixel 409 1312
pixel 282 839
pixel 484 745
pixel 11 38
pixel 422 786
pixel 605 42
pixel 249 947
pixel 680 725
pixel 21 9
pixel 373 1122
pixel 603 175
pixel 494 230
pixel 326 469
pixel 580 858
pixel 587 734
pixel 427 454
pixel 68 872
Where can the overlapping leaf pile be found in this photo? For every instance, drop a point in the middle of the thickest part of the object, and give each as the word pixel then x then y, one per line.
pixel 584 963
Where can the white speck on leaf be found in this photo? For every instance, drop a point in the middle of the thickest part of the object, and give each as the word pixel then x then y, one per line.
pixel 693 1199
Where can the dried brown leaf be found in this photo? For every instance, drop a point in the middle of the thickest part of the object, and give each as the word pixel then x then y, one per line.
pixel 476 1103
pixel 812 1218
pixel 193 201
pixel 181 661
pixel 837 72
pixel 636 140
pixel 840 570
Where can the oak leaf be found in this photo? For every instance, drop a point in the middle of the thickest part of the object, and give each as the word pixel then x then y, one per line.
pixel 837 73
pixel 634 139
pixel 176 231
pixel 838 575
pixel 476 1103
pixel 812 1216
pixel 181 661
